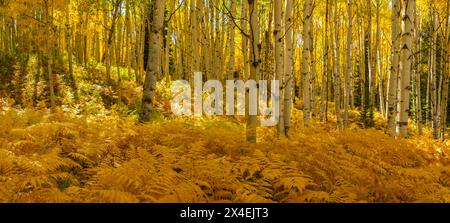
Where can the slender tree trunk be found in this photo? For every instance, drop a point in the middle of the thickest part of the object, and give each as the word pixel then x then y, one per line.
pixel 218 68
pixel 446 74
pixel 433 73
pixel 348 68
pixel 244 25
pixel 393 78
pixel 379 60
pixel 324 89
pixel 141 51
pixel 51 79
pixel 117 46
pixel 417 75
pixel 337 75
pixel 405 66
pixel 69 47
pixel 278 55
pixel 288 66
pixel 205 37
pixel 232 44
pixel 255 61
pixel 194 38
pixel 155 57
pixel 312 71
pixel 128 42
pixel 307 10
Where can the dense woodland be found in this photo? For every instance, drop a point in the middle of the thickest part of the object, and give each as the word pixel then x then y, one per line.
pixel 85 95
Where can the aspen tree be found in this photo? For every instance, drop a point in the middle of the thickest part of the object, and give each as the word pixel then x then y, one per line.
pixel 405 66
pixel 432 71
pixel 69 45
pixel 206 44
pixel 267 49
pixel 232 45
pixel 49 48
pixel 288 66
pixel 446 74
pixel 278 55
pixel 117 46
pixel 194 38
pixel 244 39
pixel 255 61
pixel 337 75
pixel 218 68
pixel 128 35
pixel 155 57
pixel 312 71
pixel 307 10
pixel 371 61
pixel 417 22
pixel 348 67
pixel 324 87
pixel 379 60
pixel 367 108
pixel 394 71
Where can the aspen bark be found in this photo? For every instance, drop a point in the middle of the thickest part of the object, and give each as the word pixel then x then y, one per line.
pixel 337 75
pixel 218 68
pixel 379 61
pixel 128 41
pixel 155 57
pixel 51 79
pixel 446 74
pixel 394 71
pixel 288 66
pixel 405 66
pixel 324 89
pixel 244 25
pixel 232 44
pixel 312 71
pixel 194 38
pixel 278 55
pixel 255 61
pixel 205 43
pixel 433 73
pixel 69 46
pixel 348 67
pixel 307 9
pixel 417 76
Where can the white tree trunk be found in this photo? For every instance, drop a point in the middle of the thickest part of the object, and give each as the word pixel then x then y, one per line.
pixel 244 25
pixel 348 67
pixel 405 66
pixel 278 55
pixel 394 71
pixel 417 75
pixel 379 61
pixel 312 71
pixel 255 60
pixel 337 70
pixel 155 58
pixel 433 73
pixel 49 32
pixel 324 89
pixel 232 43
pixel 307 10
pixel 288 67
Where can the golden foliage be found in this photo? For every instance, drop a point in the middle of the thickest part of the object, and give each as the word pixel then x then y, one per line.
pixel 48 157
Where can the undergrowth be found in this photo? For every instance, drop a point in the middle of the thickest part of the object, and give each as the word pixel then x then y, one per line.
pixel 59 157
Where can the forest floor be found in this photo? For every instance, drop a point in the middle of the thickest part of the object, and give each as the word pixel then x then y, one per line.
pixel 93 149
pixel 62 157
